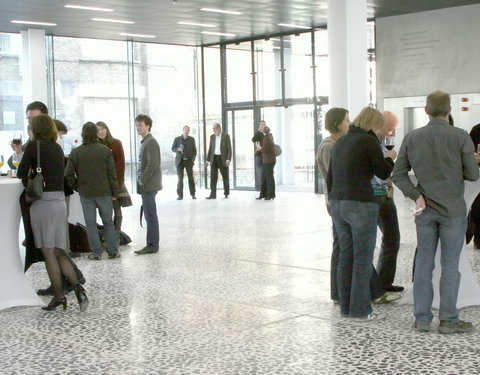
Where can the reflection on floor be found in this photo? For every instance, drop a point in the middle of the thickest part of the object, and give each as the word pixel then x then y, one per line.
pixel 239 287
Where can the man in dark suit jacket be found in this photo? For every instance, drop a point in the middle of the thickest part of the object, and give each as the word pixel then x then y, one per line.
pixel 186 151
pixel 219 156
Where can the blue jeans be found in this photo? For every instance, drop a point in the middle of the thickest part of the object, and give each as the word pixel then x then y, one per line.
pixel 150 211
pixel 432 227
pixel 105 209
pixel 356 225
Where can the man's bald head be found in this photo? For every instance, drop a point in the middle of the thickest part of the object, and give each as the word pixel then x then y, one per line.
pixel 391 123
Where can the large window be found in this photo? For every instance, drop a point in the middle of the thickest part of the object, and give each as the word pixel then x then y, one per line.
pixel 12 115
pixel 165 88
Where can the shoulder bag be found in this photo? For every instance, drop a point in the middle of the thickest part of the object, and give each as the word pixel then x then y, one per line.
pixel 35 183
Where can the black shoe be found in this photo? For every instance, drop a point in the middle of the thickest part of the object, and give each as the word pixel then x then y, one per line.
pixel 82 299
pixel 179 198
pixel 210 197
pixel 393 288
pixel 82 280
pixel 194 197
pixel 45 292
pixel 260 197
pixel 226 195
pixel 55 302
pixel 114 255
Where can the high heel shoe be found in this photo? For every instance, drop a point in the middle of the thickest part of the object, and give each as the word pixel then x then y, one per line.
pixel 55 302
pixel 81 297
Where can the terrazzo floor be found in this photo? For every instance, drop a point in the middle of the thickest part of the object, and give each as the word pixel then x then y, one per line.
pixel 239 286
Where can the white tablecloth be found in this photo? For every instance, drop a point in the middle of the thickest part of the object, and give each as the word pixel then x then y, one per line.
pixel 15 288
pixel 469 291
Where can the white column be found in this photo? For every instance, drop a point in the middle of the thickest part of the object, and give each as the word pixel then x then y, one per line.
pixel 34 67
pixel 347 49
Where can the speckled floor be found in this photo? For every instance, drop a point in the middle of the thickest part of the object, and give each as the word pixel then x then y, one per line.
pixel 239 287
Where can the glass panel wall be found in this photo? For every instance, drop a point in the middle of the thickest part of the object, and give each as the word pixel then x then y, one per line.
pixel 12 114
pixel 298 66
pixel 165 88
pixel 91 84
pixel 267 67
pixel 239 73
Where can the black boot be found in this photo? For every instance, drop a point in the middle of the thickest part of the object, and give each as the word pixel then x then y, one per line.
pixel 81 297
pixel 55 302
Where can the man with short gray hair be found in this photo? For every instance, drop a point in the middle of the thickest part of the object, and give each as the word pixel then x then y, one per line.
pixel 441 156
pixel 219 156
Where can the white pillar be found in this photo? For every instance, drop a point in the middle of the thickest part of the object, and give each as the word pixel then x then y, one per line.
pixel 347 49
pixel 34 67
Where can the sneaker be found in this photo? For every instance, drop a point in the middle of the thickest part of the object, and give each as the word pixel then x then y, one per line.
pixel 94 257
pixel 372 316
pixel 460 326
pixel 114 255
pixel 422 327
pixel 386 298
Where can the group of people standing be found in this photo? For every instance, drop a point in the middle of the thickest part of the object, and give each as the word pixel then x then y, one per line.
pixel 265 160
pixel 96 170
pixel 357 170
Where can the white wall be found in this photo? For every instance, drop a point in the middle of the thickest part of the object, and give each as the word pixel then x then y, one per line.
pixel 423 52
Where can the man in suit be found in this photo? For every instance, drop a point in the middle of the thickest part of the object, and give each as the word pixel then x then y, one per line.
pixel 186 151
pixel 219 156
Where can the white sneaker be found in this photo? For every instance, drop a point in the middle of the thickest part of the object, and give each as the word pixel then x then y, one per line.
pixel 374 316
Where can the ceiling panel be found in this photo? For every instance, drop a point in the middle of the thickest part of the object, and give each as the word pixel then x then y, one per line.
pixel 161 17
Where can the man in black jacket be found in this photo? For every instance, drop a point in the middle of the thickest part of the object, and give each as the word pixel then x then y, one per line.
pixel 219 156
pixel 186 151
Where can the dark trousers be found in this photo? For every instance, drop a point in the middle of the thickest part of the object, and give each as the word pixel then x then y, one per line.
pixel 216 165
pixel 475 216
pixel 150 211
pixel 268 181
pixel 388 224
pixel 259 172
pixel 188 165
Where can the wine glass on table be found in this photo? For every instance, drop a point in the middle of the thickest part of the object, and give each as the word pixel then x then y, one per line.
pixel 389 142
pixel 1 163
pixel 16 159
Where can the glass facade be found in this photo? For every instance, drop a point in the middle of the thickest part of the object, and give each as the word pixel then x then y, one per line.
pixel 283 80
pixel 12 115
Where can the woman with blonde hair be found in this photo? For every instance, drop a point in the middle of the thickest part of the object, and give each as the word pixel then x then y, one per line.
pixel 115 145
pixel 49 213
pixel 356 158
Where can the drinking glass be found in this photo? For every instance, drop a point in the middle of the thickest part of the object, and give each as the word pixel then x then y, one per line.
pixel 16 159
pixel 1 163
pixel 389 142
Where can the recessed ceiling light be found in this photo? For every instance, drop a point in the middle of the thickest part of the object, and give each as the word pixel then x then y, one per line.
pixel 34 23
pixel 299 7
pixel 196 24
pixel 221 11
pixel 294 26
pixel 111 20
pixel 138 35
pixel 88 8
pixel 214 33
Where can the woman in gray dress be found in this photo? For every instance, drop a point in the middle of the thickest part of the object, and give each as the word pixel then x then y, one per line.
pixel 48 214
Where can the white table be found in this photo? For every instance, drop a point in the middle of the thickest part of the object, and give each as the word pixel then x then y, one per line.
pixel 469 290
pixel 15 288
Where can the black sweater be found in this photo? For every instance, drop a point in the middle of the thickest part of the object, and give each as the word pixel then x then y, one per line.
pixel 52 162
pixel 356 157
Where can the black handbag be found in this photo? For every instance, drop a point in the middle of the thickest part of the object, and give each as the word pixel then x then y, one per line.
pixel 35 183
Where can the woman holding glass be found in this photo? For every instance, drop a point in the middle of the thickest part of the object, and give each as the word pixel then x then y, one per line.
pixel 115 145
pixel 48 214
pixel 356 158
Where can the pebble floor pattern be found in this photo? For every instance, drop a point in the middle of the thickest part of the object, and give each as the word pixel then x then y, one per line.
pixel 239 287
